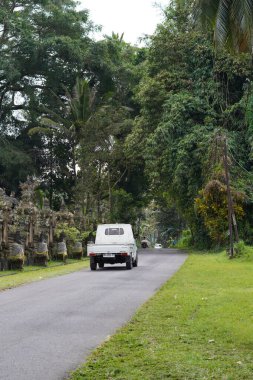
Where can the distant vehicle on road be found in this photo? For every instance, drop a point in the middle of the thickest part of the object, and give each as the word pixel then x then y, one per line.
pixel 114 244
pixel 158 246
pixel 145 243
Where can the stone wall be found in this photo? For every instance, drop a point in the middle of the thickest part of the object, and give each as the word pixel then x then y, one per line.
pixel 29 234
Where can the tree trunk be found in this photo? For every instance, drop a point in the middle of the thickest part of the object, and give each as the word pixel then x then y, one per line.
pixel 51 173
pixel 231 215
pixel 109 194
pixel 74 162
pixel 99 194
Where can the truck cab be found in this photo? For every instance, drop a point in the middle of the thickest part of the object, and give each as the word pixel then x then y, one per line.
pixel 114 244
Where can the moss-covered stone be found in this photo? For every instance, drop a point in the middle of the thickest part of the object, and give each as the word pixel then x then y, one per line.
pixel 40 258
pixel 16 262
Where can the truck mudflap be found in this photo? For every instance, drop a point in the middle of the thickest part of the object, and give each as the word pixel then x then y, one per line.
pixel 110 258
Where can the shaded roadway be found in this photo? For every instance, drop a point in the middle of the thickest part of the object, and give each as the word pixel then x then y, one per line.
pixel 49 327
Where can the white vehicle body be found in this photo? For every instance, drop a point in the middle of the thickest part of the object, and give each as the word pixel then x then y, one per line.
pixel 114 243
pixel 158 246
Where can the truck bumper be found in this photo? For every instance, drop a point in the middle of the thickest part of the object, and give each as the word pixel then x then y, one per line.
pixel 115 259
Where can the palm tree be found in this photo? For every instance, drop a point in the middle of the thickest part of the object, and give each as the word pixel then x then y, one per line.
pixel 231 21
pixel 76 112
pixel 232 25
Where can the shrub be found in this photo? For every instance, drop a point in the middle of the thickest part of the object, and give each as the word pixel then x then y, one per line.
pixel 240 249
pixel 185 240
pixel 72 233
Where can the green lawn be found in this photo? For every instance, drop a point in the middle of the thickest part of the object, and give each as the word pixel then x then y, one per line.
pixel 198 326
pixel 11 279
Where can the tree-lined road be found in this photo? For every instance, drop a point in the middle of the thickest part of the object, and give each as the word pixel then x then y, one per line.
pixel 49 327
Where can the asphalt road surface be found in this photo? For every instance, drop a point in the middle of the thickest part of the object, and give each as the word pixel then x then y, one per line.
pixel 48 328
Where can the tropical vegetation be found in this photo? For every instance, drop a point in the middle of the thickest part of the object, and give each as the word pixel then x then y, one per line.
pixel 132 134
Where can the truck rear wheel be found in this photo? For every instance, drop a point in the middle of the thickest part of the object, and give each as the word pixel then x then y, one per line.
pixel 135 263
pixel 129 263
pixel 101 265
pixel 93 264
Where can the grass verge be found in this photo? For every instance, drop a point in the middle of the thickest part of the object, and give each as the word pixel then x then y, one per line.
pixel 11 279
pixel 198 326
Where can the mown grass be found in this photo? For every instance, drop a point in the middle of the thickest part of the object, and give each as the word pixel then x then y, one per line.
pixel 11 279
pixel 198 326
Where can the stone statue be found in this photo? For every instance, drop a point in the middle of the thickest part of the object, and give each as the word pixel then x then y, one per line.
pixel 40 255
pixel 62 252
pixel 16 256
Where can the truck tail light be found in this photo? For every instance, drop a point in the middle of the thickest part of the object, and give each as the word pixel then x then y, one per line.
pixel 92 254
pixel 123 253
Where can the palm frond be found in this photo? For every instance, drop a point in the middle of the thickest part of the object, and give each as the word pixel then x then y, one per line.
pixel 53 125
pixel 80 102
pixel 40 130
pixel 242 14
pixel 205 11
pixel 231 20
pixel 49 123
pixel 249 113
pixel 222 23
pixel 55 116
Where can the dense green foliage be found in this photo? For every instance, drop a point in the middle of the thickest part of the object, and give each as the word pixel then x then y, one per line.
pixel 66 105
pixel 43 45
pixel 111 127
pixel 188 96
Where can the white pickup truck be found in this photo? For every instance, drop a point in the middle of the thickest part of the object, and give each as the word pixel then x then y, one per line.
pixel 114 244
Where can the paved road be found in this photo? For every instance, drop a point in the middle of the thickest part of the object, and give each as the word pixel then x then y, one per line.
pixel 48 328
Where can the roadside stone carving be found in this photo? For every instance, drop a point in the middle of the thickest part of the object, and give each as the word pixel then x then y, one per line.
pixel 16 256
pixel 26 215
pixel 1 228
pixel 32 234
pixel 65 216
pixel 41 256
pixel 6 216
pixel 62 252
pixel 77 251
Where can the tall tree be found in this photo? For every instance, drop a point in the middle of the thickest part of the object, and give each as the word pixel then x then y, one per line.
pixel 232 23
pixel 185 96
pixel 43 48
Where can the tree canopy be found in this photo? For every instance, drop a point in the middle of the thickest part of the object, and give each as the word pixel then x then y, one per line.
pixel 117 129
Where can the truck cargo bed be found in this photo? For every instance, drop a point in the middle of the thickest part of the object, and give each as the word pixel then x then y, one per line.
pixel 99 249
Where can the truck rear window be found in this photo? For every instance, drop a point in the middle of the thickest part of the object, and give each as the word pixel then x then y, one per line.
pixel 114 231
